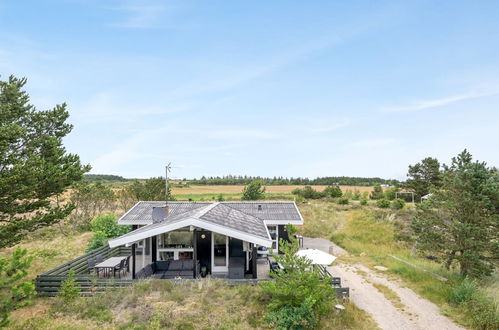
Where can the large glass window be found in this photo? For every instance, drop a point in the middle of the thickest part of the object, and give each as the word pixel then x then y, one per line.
pixel 176 240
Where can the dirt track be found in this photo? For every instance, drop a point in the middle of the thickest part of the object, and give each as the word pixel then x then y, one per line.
pixel 416 312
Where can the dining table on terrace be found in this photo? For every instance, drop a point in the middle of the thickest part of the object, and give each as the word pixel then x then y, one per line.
pixel 108 265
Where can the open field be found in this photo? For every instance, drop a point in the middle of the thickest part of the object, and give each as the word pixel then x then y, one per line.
pixel 237 189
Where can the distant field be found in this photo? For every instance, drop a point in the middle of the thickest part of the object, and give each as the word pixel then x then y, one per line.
pixel 236 189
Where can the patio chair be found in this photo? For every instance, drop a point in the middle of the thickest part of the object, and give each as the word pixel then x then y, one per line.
pixel 99 258
pixel 127 264
pixel 91 265
pixel 119 268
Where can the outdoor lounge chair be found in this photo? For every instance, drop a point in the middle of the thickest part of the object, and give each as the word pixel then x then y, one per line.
pixel 119 268
pixel 91 265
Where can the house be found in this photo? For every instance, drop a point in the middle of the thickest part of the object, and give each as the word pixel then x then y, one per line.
pixel 189 239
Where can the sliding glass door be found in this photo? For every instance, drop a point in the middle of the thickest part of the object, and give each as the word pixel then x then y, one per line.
pixel 219 253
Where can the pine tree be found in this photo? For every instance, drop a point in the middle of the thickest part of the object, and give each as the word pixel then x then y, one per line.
pixel 34 165
pixel 460 222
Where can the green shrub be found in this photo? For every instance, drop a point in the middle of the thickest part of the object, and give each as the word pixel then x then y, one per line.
pixel 332 191
pixel 297 289
pixel 105 226
pixel 363 201
pixel 463 292
pixel 97 240
pixel 397 204
pixel 309 193
pixel 483 312
pixel 220 198
pixel 356 195
pixel 383 203
pixel 391 193
pixel 342 201
pixel 69 290
pixel 293 318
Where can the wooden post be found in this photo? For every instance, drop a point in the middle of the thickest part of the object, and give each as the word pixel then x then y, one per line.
pixel 133 261
pixel 254 255
pixel 153 249
pixel 195 253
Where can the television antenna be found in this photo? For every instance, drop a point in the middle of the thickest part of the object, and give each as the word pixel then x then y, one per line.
pixel 168 168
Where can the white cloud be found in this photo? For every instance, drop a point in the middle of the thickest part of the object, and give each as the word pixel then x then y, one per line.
pixel 427 104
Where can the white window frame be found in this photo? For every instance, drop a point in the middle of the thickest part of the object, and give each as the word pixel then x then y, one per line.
pixel 220 269
pixel 276 240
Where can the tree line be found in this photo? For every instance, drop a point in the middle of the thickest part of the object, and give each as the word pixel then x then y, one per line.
pixel 274 181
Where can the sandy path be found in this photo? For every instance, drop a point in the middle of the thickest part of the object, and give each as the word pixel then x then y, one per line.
pixel 417 312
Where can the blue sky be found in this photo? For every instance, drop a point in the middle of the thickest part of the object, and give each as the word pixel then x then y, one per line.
pixel 291 88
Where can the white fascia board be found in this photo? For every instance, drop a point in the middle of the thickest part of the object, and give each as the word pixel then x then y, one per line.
pixel 127 239
pixel 124 215
pixel 282 222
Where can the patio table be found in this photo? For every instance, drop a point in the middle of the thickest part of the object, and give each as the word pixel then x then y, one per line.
pixel 109 263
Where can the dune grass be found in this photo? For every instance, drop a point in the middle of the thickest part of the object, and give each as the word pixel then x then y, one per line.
pixel 156 304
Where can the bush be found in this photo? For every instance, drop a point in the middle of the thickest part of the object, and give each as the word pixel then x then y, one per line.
pixel 105 227
pixel 463 292
pixel 363 201
pixel 383 203
pixel 332 191
pixel 97 240
pixel 356 195
pixel 309 193
pixel 290 317
pixel 220 198
pixel 391 193
pixel 298 289
pixel 342 201
pixel 483 312
pixel 69 290
pixel 397 204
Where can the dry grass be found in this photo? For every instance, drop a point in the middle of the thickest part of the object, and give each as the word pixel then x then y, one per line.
pixel 51 249
pixel 389 294
pixel 321 219
pixel 204 304
pixel 236 189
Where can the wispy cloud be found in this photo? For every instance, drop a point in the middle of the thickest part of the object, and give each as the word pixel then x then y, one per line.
pixel 141 15
pixel 427 104
pixel 243 133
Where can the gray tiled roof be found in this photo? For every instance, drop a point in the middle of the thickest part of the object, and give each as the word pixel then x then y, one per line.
pixel 223 215
pixel 141 213
pixel 215 213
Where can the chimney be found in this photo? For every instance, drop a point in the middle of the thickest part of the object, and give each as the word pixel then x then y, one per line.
pixel 159 213
pixel 259 207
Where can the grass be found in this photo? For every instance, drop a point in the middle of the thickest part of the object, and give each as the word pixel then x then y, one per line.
pixel 372 236
pixel 389 294
pixel 204 304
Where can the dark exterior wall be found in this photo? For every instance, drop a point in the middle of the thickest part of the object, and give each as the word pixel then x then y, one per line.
pixel 203 249
pixel 236 248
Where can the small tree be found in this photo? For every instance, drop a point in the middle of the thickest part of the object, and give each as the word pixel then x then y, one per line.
pixel 377 192
pixel 383 203
pixel 397 204
pixel 299 295
pixel 152 189
pixel 253 191
pixel 69 290
pixel 333 191
pixel 460 222
pixel 14 292
pixel 342 201
pixel 424 176
pixel 391 193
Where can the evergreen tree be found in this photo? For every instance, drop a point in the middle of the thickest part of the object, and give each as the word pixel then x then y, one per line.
pixel 460 222
pixel 34 165
pixel 253 191
pixel 424 176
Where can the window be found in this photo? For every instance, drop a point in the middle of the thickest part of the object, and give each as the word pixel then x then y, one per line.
pixel 175 245
pixel 176 240
pixel 274 235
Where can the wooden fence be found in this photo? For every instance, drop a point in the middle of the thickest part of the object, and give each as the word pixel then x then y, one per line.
pixel 49 283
